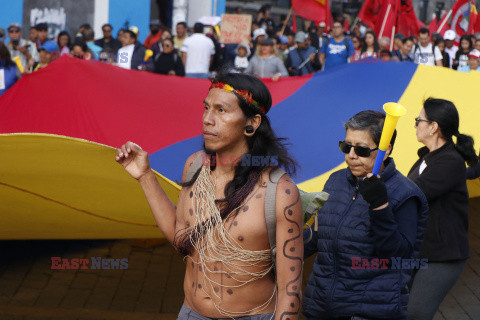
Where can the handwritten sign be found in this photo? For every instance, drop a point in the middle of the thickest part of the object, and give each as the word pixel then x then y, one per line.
pixel 236 28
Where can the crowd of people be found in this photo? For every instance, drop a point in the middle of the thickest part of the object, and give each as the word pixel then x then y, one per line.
pixel 274 50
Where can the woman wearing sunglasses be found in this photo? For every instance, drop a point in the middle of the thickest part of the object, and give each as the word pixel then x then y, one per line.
pixel 440 173
pixel 368 231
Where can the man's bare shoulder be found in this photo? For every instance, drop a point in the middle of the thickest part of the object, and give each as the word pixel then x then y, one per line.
pixel 189 163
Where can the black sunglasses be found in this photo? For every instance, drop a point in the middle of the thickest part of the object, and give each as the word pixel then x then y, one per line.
pixel 360 151
pixel 418 119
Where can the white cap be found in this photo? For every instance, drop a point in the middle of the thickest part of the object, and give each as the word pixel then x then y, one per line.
pixel 474 53
pixel 322 24
pixel 449 35
pixel 259 32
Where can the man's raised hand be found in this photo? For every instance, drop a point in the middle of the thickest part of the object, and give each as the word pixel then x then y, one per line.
pixel 134 159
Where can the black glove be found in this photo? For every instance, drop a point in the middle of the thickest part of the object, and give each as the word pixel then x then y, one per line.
pixel 374 191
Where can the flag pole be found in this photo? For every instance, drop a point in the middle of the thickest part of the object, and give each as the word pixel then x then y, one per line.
pixel 385 20
pixel 445 20
pixel 391 40
pixel 286 20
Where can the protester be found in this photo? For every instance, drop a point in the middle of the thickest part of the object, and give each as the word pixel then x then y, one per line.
pixel 304 59
pixel 155 34
pixel 46 54
pixel 357 46
pixel 241 60
pixel 424 52
pixel 337 50
pixel 264 19
pixel 440 44
pixel 405 50
pixel 460 62
pixel 365 219
pixel 181 35
pixel 370 48
pixel 7 69
pixel 383 43
pixel 64 43
pixel 265 63
pixel 258 36
pixel 80 50
pixel 398 41
pixel 19 47
pixel 321 33
pixel 42 34
pixel 88 36
pixel 2 35
pixel 33 35
pixel 385 55
pixel 168 61
pixel 282 47
pixel 197 53
pixel 440 173
pixel 474 60
pixel 131 55
pixel 108 41
pixel 450 46
pixel 218 283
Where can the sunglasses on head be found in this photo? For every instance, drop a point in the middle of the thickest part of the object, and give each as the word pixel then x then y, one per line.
pixel 360 151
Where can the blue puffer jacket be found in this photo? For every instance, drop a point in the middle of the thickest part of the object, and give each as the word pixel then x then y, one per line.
pixel 334 289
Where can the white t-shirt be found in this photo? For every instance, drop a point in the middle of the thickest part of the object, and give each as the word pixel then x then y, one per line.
pixel 451 52
pixel 425 55
pixel 124 57
pixel 199 49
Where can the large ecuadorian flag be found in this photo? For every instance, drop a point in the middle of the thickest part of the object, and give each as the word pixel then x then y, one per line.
pixel 60 127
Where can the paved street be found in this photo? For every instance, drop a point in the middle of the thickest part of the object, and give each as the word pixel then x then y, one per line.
pixel 151 287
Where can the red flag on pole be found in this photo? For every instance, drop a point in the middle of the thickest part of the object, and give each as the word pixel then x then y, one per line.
pixel 315 10
pixel 473 19
pixel 294 22
pixel 387 18
pixel 460 18
pixel 441 26
pixel 433 26
pixel 407 23
pixel 369 12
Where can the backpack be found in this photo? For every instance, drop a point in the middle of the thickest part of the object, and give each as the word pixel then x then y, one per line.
pixel 417 47
pixel 311 202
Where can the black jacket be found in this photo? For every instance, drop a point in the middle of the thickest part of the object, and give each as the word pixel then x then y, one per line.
pixel 443 183
pixel 166 62
pixel 138 56
pixel 113 44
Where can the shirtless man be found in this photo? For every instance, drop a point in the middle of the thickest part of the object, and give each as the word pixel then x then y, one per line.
pixel 229 267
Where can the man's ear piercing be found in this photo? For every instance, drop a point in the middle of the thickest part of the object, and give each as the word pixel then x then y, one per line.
pixel 249 129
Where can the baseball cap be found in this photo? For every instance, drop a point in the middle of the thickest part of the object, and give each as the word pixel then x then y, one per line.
pixel 49 46
pixel 283 39
pixel 266 42
pixel 449 35
pixel 134 29
pixel 14 25
pixel 155 22
pixel 474 53
pixel 300 36
pixel 259 32
pixel 322 24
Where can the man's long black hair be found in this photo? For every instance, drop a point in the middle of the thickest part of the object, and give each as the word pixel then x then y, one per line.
pixel 263 143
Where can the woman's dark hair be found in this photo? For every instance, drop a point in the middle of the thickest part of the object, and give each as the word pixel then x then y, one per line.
pixel 373 122
pixel 470 42
pixel 439 41
pixel 445 114
pixel 263 143
pixel 5 57
pixel 81 44
pixel 376 46
pixel 61 34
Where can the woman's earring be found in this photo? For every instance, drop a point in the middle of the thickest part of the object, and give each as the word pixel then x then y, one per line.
pixel 249 129
pixel 431 134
